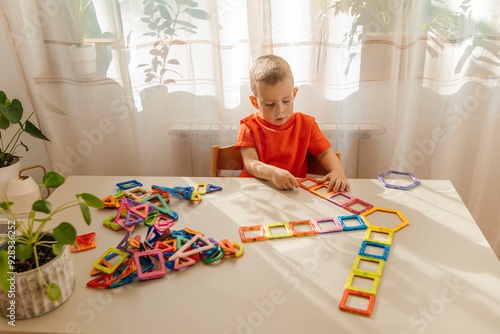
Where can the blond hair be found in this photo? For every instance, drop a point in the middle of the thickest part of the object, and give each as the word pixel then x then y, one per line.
pixel 269 69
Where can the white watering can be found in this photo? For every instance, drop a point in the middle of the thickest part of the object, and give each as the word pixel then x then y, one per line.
pixel 24 191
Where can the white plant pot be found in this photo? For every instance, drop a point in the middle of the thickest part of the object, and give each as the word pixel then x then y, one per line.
pixel 31 294
pixel 23 192
pixel 84 58
pixel 8 173
pixel 154 98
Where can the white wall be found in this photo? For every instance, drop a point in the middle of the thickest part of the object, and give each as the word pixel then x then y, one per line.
pixel 12 83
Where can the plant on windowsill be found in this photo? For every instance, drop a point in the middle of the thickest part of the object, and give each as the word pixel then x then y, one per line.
pixel 165 19
pixel 369 12
pixel 444 24
pixel 371 19
pixel 81 22
pixel 46 285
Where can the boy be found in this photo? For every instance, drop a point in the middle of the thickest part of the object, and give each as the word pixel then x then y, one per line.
pixel 274 141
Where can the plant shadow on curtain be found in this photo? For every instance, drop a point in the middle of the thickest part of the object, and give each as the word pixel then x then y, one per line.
pixel 402 85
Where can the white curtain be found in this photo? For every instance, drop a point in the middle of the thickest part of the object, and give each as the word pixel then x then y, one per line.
pixel 395 85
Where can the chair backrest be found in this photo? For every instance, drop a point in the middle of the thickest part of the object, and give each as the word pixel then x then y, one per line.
pixel 229 158
pixel 224 158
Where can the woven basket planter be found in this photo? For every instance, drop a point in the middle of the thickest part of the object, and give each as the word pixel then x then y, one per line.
pixel 30 293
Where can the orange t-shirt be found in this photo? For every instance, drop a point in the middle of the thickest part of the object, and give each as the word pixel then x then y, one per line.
pixel 283 146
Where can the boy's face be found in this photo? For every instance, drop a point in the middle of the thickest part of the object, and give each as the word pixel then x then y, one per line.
pixel 275 102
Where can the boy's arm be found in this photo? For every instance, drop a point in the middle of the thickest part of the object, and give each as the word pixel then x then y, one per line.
pixel 336 177
pixel 282 178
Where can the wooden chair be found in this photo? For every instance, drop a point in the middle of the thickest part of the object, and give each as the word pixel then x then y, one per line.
pixel 314 166
pixel 224 158
pixel 229 158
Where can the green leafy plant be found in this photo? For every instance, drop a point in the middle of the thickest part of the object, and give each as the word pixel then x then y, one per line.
pixel 32 231
pixel 364 11
pixel 442 20
pixel 382 15
pixel 165 19
pixel 443 24
pixel 11 112
pixel 81 20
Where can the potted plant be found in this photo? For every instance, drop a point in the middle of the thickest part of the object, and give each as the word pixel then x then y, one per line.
pixel 165 19
pixel 82 22
pixel 46 286
pixel 373 20
pixel 443 24
pixel 11 113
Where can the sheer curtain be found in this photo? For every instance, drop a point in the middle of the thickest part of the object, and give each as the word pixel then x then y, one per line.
pixel 402 85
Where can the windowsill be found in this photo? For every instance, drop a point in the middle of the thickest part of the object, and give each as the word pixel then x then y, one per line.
pixel 361 130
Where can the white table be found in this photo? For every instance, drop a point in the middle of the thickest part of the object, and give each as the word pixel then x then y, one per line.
pixel 441 276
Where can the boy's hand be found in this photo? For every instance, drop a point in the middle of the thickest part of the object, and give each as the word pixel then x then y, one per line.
pixel 281 178
pixel 284 180
pixel 337 182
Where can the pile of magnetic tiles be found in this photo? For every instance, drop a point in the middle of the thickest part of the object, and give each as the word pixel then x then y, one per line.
pixel 162 247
